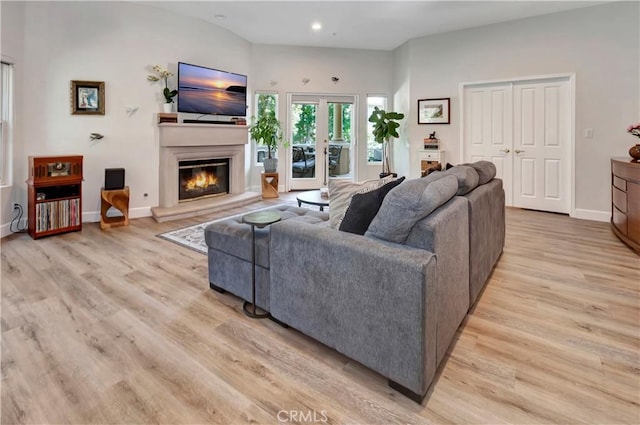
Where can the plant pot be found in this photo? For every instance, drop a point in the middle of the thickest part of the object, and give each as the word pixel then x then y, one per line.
pixel 167 108
pixel 635 152
pixel 270 165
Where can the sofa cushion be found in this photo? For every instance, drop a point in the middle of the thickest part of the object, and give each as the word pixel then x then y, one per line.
pixel 364 207
pixel 486 171
pixel 408 203
pixel 467 178
pixel 233 237
pixel 340 194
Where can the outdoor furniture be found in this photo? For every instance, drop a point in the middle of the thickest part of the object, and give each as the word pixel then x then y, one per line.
pixel 302 164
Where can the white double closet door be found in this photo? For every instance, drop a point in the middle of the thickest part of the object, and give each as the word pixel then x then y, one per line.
pixel 524 128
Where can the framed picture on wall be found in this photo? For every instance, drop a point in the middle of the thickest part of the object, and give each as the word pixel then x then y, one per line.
pixel 433 111
pixel 87 97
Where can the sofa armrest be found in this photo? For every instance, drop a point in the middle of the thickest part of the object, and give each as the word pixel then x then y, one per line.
pixel 372 300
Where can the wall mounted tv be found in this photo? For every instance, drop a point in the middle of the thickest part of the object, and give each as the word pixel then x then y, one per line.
pixel 210 91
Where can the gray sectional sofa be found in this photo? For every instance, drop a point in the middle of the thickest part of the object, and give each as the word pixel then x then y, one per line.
pixel 391 299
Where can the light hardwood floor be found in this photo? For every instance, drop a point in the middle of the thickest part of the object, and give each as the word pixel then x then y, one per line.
pixel 120 326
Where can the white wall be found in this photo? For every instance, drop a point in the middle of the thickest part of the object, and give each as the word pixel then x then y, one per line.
pixel 401 147
pixel 12 48
pixel 114 42
pixel 361 72
pixel 600 44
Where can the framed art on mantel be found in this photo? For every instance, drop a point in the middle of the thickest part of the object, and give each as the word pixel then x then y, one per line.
pixel 434 111
pixel 87 97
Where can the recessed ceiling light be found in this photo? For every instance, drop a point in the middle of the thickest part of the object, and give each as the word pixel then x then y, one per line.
pixel 220 17
pixel 316 26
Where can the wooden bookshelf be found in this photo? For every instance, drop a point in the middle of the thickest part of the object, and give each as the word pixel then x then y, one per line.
pixel 54 195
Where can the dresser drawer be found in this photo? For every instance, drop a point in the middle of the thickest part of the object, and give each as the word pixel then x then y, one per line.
pixel 626 170
pixel 620 183
pixel 619 219
pixel 619 199
pixel 430 156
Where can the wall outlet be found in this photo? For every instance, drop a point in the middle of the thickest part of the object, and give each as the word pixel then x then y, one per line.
pixel 588 133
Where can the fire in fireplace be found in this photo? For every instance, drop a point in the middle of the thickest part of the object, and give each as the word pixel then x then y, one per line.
pixel 203 178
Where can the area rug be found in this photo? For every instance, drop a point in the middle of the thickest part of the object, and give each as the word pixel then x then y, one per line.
pixel 192 237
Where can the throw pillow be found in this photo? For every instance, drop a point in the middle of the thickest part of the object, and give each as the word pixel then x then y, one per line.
pixel 340 194
pixel 486 170
pixel 467 178
pixel 364 207
pixel 409 203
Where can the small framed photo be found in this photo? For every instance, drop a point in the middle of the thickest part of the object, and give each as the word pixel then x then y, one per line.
pixel 87 97
pixel 434 111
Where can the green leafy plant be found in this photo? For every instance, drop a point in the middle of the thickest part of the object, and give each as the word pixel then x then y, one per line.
pixel 267 130
pixel 163 74
pixel 385 128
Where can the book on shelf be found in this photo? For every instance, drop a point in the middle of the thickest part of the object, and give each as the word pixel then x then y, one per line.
pixel 431 143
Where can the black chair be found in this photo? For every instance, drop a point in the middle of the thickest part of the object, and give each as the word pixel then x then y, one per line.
pixel 334 158
pixel 302 165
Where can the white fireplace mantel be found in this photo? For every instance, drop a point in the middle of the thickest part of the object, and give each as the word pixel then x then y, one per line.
pixel 180 142
pixel 202 134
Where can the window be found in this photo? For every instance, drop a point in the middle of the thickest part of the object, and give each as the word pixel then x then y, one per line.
pixel 266 103
pixel 374 149
pixel 6 120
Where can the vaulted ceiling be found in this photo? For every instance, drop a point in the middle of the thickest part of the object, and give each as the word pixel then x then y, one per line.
pixel 382 25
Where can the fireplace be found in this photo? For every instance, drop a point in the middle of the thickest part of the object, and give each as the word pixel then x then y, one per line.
pixel 203 178
pixel 185 145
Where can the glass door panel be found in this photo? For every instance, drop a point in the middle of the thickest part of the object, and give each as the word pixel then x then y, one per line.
pixel 322 131
pixel 339 126
pixel 306 158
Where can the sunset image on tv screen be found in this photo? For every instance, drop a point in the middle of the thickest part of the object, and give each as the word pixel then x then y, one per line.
pixel 209 91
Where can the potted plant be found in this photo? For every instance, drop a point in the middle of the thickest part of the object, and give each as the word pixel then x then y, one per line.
pixel 267 130
pixel 168 94
pixel 385 127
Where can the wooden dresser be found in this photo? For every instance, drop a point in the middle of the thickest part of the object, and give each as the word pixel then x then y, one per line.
pixel 625 201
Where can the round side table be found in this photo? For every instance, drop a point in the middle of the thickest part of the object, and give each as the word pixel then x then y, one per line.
pixel 258 219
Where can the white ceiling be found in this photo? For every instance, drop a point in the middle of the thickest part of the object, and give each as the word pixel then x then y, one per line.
pixel 382 25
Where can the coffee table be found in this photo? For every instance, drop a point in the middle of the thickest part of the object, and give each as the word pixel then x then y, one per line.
pixel 312 197
pixel 258 219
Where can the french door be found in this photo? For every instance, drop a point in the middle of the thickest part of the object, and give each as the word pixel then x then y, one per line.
pixel 321 134
pixel 524 128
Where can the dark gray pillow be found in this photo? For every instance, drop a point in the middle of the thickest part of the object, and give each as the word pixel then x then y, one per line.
pixel 467 178
pixel 409 203
pixel 364 207
pixel 486 171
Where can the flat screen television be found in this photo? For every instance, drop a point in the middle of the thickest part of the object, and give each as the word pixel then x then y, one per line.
pixel 211 91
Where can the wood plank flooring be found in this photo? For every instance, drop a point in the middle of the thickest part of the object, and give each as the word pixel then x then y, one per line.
pixel 120 326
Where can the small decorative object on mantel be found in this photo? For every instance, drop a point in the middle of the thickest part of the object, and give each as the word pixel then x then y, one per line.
pixel 434 111
pixel 87 97
pixel 635 150
pixel 168 94
pixel 167 117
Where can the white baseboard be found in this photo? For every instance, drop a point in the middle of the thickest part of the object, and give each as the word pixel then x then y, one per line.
pixel 591 215
pixel 140 212
pixel 5 228
pixel 87 217
pixel 94 216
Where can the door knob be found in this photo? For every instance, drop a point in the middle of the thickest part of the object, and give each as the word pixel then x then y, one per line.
pixel 505 150
pixel 518 151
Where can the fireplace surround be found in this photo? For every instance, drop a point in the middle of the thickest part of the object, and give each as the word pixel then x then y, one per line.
pixel 190 142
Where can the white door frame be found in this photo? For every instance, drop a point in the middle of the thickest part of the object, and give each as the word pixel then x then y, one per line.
pixel 571 76
pixel 354 128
